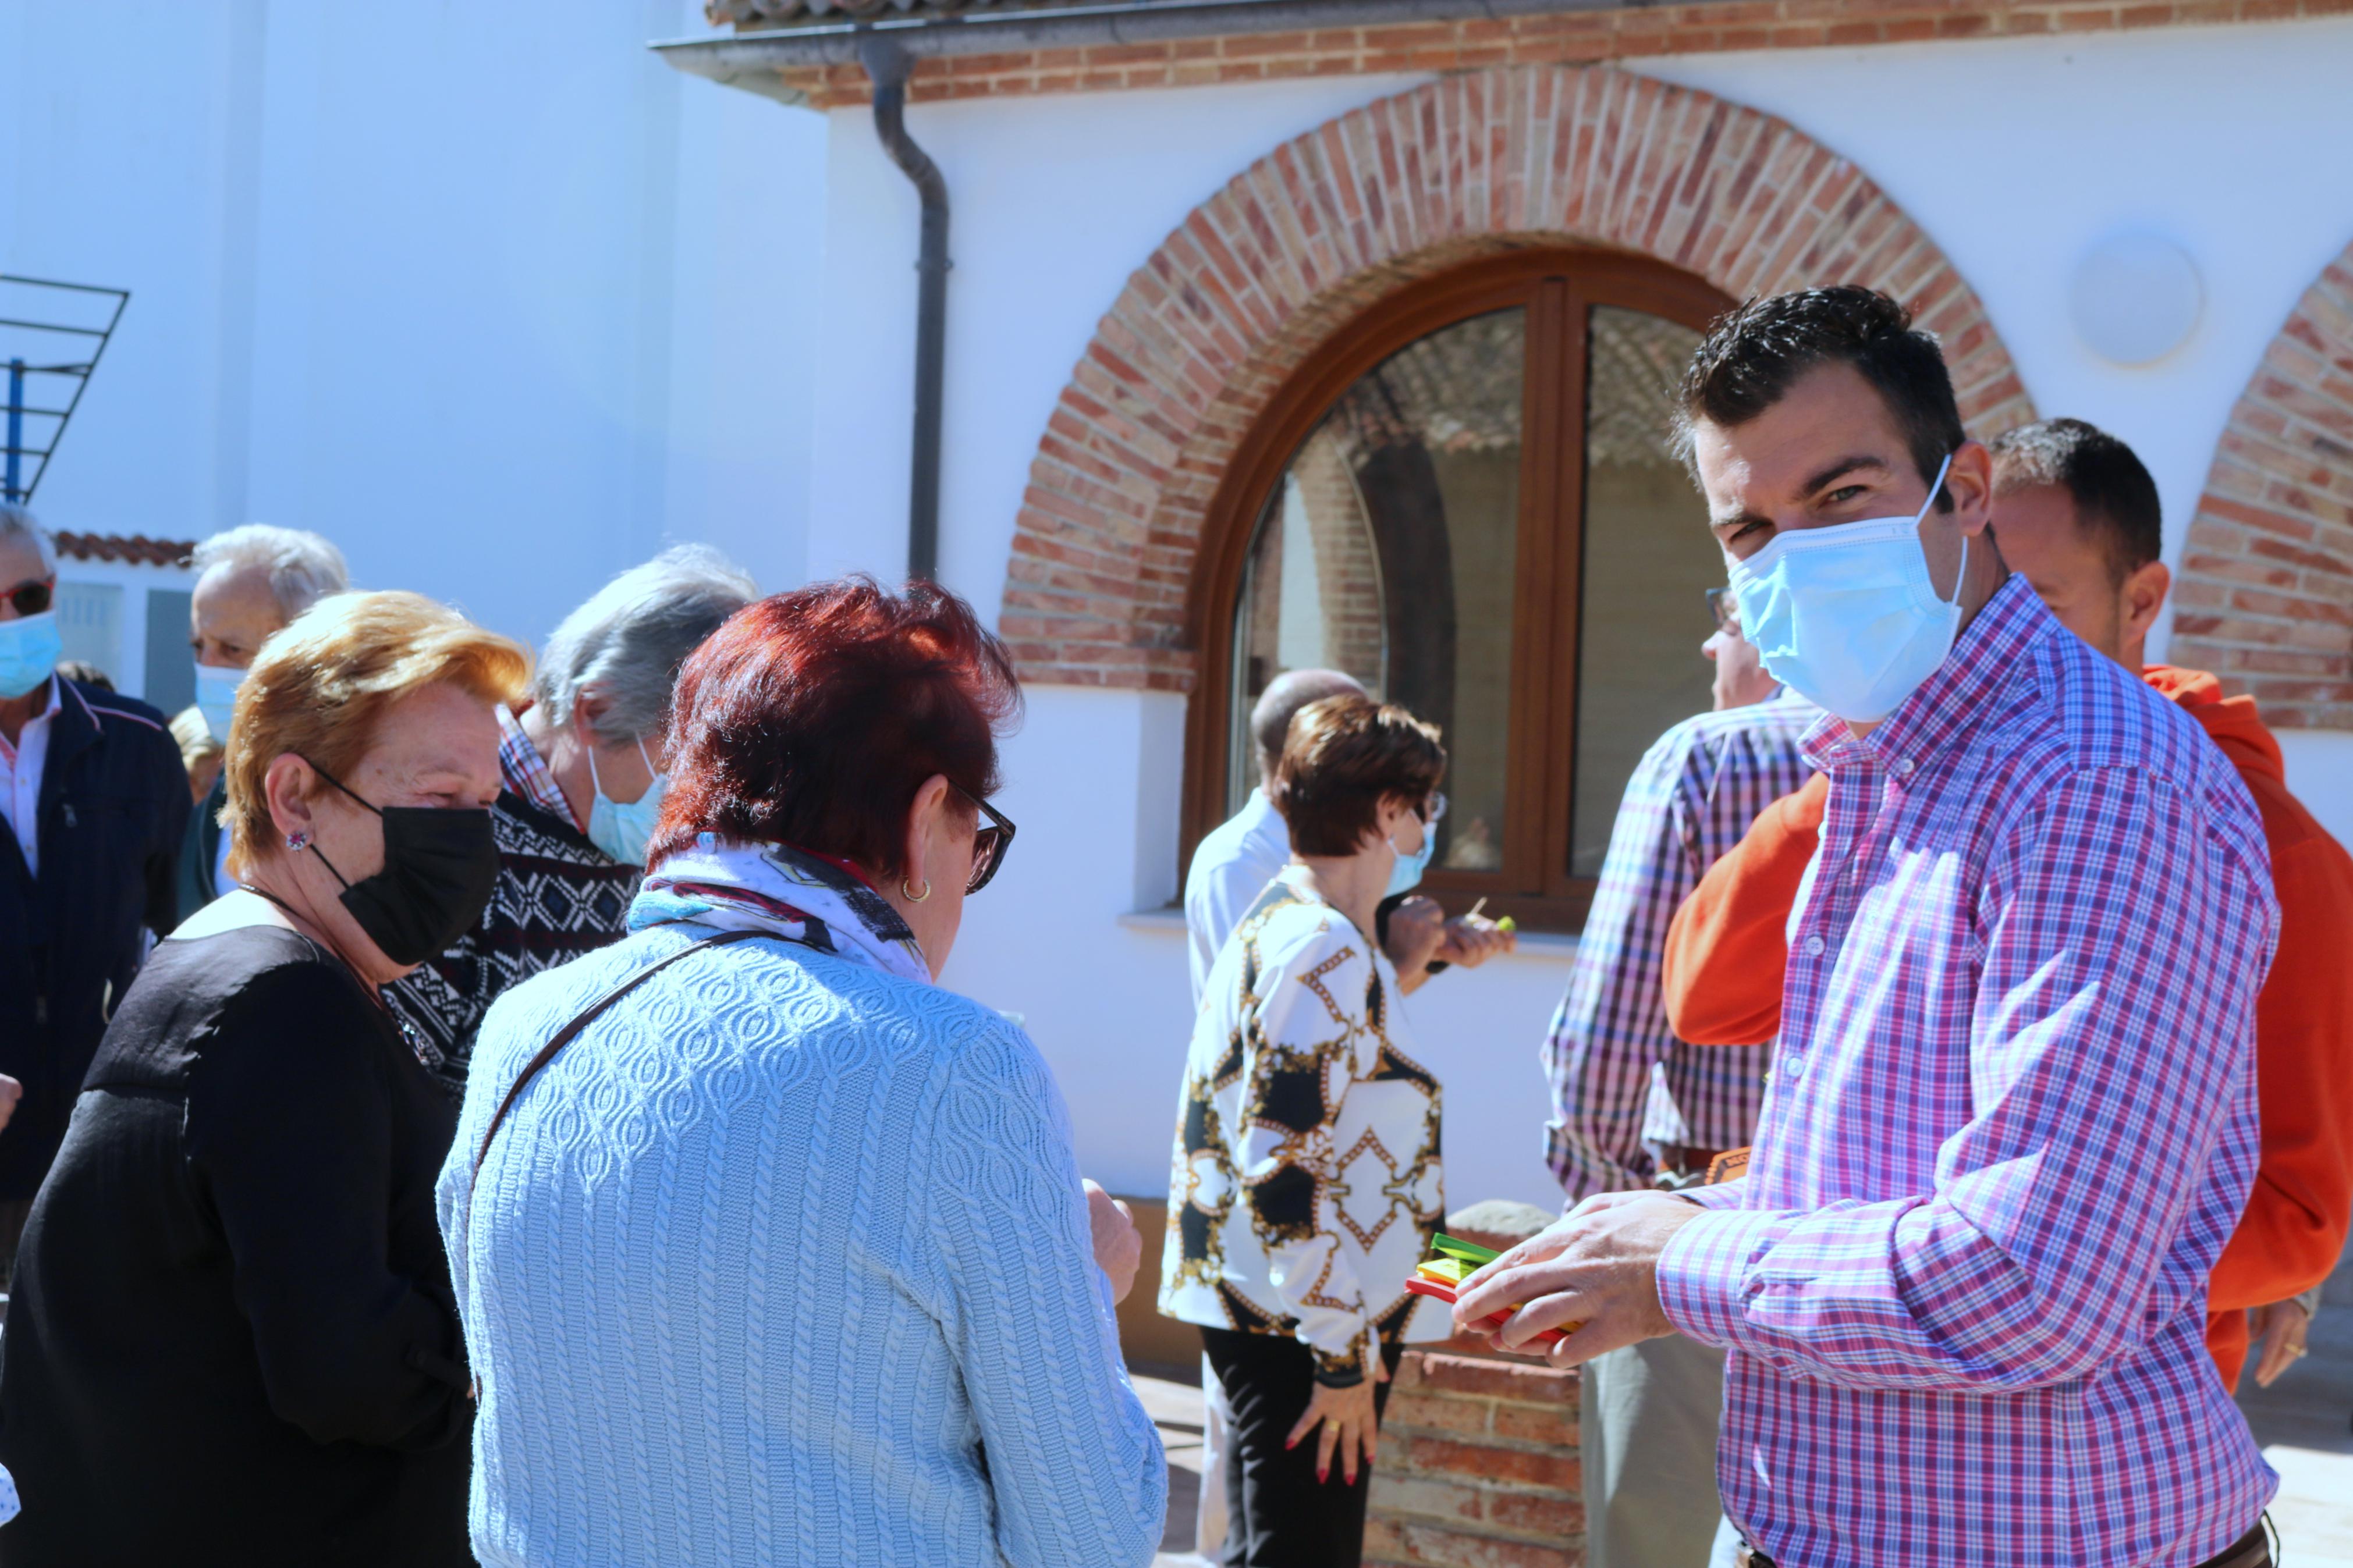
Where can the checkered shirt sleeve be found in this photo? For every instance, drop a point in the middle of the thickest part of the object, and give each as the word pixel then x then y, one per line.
pixel 1620 1079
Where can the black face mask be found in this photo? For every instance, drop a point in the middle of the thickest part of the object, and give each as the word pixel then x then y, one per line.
pixel 440 865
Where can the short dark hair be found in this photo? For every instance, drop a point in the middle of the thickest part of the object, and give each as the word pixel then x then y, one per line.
pixel 2115 498
pixel 812 718
pixel 1344 756
pixel 1280 703
pixel 1755 354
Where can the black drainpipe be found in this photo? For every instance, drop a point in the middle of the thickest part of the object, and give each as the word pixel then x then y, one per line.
pixel 886 62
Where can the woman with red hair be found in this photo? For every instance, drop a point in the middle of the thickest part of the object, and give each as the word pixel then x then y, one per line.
pixel 768 1249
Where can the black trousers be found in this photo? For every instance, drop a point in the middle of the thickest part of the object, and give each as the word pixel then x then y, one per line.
pixel 1278 1514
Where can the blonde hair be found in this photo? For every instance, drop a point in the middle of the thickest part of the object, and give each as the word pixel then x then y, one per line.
pixel 196 739
pixel 319 685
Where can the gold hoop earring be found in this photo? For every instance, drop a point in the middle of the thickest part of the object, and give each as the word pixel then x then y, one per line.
pixel 912 896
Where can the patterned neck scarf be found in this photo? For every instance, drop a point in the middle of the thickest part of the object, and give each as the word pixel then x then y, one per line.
pixel 788 893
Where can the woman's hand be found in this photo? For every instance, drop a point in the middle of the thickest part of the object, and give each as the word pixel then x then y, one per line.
pixel 11 1091
pixel 1119 1245
pixel 2278 1331
pixel 1350 1422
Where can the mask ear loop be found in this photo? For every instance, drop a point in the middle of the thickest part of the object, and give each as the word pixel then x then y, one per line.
pixel 1930 505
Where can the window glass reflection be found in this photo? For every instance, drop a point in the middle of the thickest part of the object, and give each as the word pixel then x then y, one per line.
pixel 1647 556
pixel 1387 552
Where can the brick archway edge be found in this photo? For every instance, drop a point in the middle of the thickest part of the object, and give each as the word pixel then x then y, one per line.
pixel 1204 333
pixel 2265 597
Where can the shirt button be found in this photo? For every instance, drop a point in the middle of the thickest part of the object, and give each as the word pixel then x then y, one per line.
pixel 1794 1065
pixel 1815 946
pixel 1902 767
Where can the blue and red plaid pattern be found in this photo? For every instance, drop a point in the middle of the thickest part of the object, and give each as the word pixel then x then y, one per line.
pixel 1622 1084
pixel 525 771
pixel 2011 1125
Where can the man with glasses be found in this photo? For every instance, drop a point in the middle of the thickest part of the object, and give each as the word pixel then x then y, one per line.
pixel 95 801
pixel 1635 1107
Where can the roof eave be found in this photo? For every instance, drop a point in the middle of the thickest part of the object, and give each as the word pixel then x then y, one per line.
pixel 753 61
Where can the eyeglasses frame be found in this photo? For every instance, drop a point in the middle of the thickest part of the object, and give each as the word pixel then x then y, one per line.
pixel 46 588
pixel 1003 825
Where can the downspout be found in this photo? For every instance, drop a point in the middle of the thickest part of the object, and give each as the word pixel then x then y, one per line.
pixel 887 64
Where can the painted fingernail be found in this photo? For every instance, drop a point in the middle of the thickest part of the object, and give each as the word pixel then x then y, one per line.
pixel 1323 1475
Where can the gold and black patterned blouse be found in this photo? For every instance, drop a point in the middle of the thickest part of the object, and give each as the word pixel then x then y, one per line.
pixel 1306 1182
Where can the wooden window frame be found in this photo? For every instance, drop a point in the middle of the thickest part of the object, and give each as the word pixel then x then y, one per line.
pixel 1557 286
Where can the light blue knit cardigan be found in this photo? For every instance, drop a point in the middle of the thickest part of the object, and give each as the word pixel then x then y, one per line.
pixel 785 1259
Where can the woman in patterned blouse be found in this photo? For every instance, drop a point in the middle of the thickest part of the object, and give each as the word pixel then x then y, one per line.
pixel 1306 1180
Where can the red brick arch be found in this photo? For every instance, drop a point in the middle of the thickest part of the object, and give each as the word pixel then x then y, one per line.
pixel 1205 331
pixel 2265 597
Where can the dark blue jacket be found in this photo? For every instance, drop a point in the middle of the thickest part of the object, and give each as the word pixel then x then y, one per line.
pixel 114 804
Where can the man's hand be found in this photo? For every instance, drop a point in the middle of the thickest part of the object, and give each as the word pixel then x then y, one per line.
pixel 11 1091
pixel 1119 1245
pixel 2278 1333
pixel 1472 939
pixel 1417 930
pixel 1741 678
pixel 1598 1266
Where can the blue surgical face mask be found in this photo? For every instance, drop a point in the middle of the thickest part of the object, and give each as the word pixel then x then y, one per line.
pixel 620 830
pixel 1407 873
pixel 29 650
pixel 217 697
pixel 1846 616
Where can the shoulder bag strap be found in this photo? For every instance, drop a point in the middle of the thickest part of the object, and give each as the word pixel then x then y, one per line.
pixel 571 1032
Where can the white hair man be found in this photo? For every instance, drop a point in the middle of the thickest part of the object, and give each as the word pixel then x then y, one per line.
pixel 583 768
pixel 93 805
pixel 251 581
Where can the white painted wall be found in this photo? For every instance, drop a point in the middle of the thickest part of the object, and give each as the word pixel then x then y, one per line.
pixel 486 293
pixel 2015 156
pixel 1054 201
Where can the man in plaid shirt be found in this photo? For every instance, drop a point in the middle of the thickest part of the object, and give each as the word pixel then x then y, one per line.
pixel 2011 1120
pixel 1634 1105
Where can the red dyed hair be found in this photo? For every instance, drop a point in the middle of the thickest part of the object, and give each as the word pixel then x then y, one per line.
pixel 812 718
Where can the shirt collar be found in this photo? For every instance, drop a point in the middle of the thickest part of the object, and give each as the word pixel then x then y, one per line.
pixel 57 701
pixel 525 771
pixel 1955 699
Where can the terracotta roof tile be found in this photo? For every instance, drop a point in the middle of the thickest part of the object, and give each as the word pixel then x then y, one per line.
pixel 753 14
pixel 137 549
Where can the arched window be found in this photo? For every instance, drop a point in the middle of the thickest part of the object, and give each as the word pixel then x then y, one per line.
pixel 1467 500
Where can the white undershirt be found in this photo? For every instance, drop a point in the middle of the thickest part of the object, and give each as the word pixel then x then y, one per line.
pixel 20 778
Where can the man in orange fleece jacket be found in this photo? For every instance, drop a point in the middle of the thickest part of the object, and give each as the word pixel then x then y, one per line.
pixel 2077 514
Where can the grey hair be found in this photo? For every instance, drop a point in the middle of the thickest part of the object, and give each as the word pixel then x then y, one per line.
pixel 303 568
pixel 16 523
pixel 633 634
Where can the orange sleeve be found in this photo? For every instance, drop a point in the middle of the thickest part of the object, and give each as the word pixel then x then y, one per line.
pixel 2294 1226
pixel 1728 945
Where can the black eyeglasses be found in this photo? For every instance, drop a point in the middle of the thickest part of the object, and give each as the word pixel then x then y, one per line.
pixel 989 844
pixel 29 598
pixel 1724 608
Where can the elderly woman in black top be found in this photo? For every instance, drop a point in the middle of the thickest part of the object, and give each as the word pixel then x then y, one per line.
pixel 232 1337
